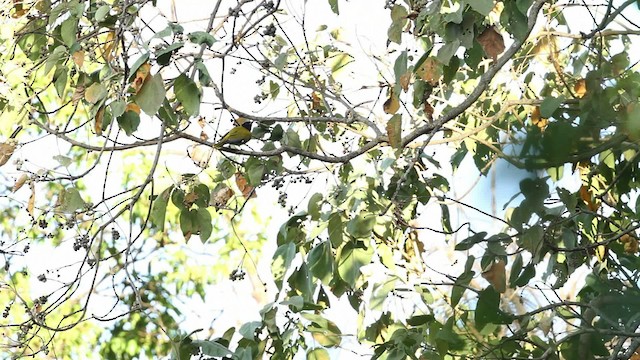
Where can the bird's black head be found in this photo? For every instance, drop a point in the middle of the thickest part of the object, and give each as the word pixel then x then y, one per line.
pixel 247 125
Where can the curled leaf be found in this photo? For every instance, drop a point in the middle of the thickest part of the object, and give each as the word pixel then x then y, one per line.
pixel 99 119
pixel 430 71
pixel 141 75
pixel 537 119
pixel 394 131
pixel 221 197
pixel 20 182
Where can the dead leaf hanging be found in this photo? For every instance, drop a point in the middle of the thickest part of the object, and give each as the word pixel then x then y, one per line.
pixel 492 42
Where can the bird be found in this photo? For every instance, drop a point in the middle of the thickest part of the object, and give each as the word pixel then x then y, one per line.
pixel 238 135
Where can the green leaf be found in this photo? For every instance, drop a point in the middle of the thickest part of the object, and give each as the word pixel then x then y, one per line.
pixel 68 31
pixel 282 259
pixel 468 243
pixel 446 52
pixel 203 73
pixel 189 222
pixel 335 229
pixel 484 7
pixel 361 225
pixel 188 94
pixel 204 225
pixel 352 257
pixel 532 239
pixel 129 122
pixel 255 171
pixel 248 330
pixel 202 38
pixel 400 65
pixel 163 55
pixel 314 206
pixel 159 209
pixel 488 309
pixel 334 6
pixel 318 353
pixel 69 200
pixel 134 67
pixel 460 286
pixel 398 21
pixel 212 348
pixel 151 95
pixel 549 105
pixel 102 12
pixel 60 80
pixel 321 261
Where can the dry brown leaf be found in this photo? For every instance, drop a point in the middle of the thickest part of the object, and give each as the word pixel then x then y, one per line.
pixel 405 79
pixel 141 75
pixel 78 94
pixel 132 107
pixel 392 105
pixel 537 119
pixel 32 200
pixel 6 150
pixel 496 276
pixel 221 197
pixel 190 198
pixel 78 58
pixel 243 185
pixel 109 46
pixel 20 9
pixel 20 182
pixel 428 110
pixel 316 101
pixel 204 136
pixel 492 42
pixel 580 88
pixel 202 122
pixel 99 119
pixel 430 71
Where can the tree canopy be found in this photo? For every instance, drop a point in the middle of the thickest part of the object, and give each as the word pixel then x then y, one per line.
pixel 425 179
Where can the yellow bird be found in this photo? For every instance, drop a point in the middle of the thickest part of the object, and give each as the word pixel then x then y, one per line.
pixel 238 135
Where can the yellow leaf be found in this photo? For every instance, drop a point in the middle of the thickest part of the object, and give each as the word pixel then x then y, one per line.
pixel 587 196
pixel 495 275
pixel 32 200
pixel 392 105
pixel 537 119
pixel 141 75
pixel 580 88
pixel 108 47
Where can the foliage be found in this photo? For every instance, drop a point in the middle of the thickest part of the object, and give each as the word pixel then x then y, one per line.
pixel 139 217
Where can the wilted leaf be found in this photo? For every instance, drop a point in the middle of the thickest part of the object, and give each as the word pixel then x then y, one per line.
pixel 430 70
pixel 392 105
pixel 21 180
pixel 221 196
pixel 580 88
pixel 495 275
pixel 243 185
pixel 95 93
pixel 491 42
pixel 132 107
pixel 19 9
pixel 98 123
pixel 6 150
pixel 394 131
pixel 78 58
pixel 404 81
pixel 78 93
